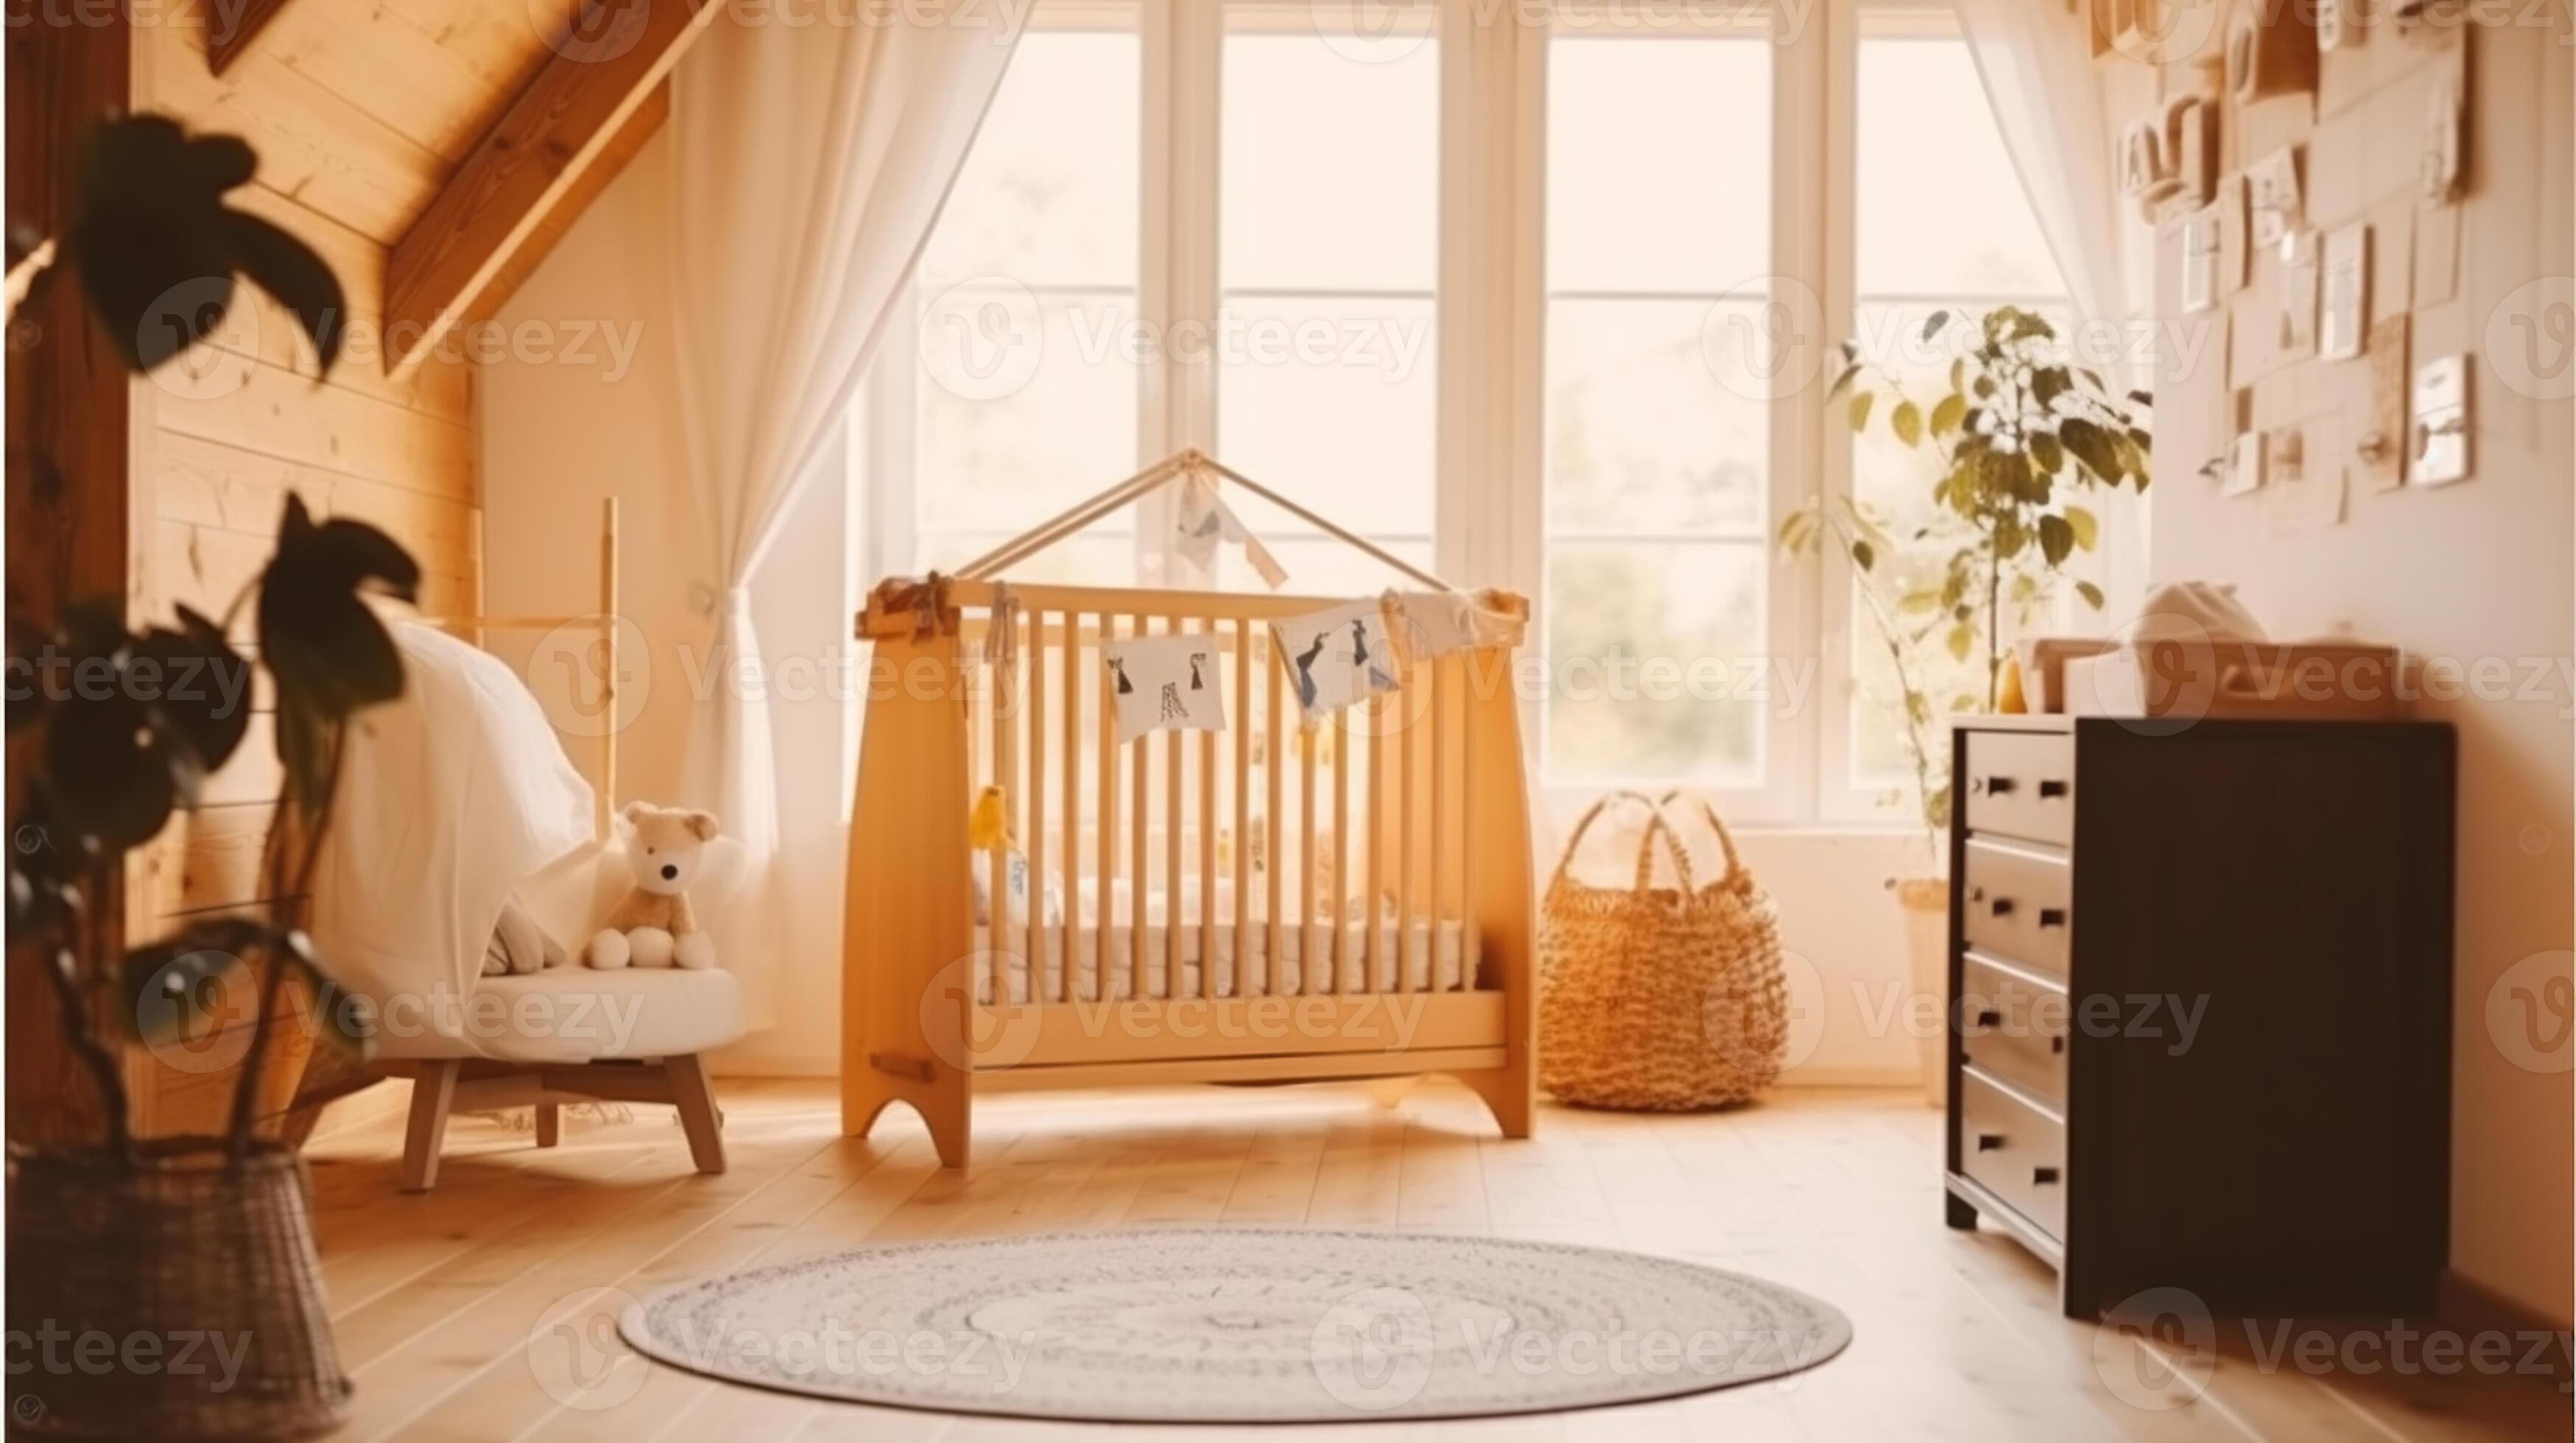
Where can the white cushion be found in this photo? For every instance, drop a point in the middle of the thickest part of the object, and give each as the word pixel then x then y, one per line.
pixel 580 1014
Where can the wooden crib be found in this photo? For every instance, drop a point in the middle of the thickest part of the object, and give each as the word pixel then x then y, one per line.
pixel 1196 903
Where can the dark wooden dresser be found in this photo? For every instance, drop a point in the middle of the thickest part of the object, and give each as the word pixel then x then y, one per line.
pixel 2200 1012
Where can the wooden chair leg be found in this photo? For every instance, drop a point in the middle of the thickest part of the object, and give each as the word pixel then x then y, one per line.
pixel 549 1123
pixel 432 1089
pixel 698 1115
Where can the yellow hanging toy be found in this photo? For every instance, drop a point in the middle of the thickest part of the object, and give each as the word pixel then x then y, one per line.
pixel 988 825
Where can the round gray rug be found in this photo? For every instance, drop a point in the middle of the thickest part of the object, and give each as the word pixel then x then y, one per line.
pixel 1268 1325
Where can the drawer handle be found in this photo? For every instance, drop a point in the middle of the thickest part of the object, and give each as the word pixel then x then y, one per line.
pixel 1990 1018
pixel 2043 1176
pixel 2057 1044
pixel 2051 791
pixel 1989 1141
pixel 2000 786
pixel 2003 906
pixel 2052 916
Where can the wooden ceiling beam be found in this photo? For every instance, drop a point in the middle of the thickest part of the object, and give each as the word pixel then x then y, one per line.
pixel 226 41
pixel 530 163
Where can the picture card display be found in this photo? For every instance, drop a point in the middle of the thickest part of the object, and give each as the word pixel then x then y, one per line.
pixel 1165 683
pixel 1336 656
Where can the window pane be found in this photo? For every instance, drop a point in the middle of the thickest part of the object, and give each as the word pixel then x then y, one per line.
pixel 1928 149
pixel 1021 378
pixel 1330 164
pixel 1658 187
pixel 1659 163
pixel 1048 194
pixel 1654 658
pixel 1020 411
pixel 1642 434
pixel 1328 252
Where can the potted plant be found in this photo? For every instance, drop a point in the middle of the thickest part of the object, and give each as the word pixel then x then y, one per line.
pixel 2009 443
pixel 111 728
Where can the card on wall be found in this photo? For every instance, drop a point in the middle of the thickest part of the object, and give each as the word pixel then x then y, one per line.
pixel 2379 451
pixel 2439 452
pixel 2272 195
pixel 2235 235
pixel 1165 683
pixel 2201 257
pixel 2301 279
pixel 1336 656
pixel 2392 259
pixel 2345 296
pixel 2438 173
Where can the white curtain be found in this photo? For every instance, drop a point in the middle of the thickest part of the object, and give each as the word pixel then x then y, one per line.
pixel 2037 65
pixel 809 164
pixel 2055 109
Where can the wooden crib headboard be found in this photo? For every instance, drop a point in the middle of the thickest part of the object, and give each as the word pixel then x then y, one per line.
pixel 603 657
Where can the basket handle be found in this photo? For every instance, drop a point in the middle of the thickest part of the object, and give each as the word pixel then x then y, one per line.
pixel 1656 825
pixel 1725 838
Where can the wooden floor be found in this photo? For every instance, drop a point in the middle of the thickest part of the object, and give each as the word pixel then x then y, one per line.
pixel 437 1298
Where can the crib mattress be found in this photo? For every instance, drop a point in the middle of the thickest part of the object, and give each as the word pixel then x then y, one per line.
pixel 1435 958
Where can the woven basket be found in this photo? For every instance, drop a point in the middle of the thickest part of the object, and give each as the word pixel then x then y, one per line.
pixel 1662 999
pixel 172 1247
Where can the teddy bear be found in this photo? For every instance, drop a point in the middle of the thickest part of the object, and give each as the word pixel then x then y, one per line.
pixel 654 926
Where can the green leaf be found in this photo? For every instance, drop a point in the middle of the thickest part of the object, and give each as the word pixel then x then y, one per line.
pixel 2092 594
pixel 1920 602
pixel 1863 556
pixel 1961 641
pixel 1843 381
pixel 1948 412
pixel 2047 453
pixel 1933 326
pixel 2048 383
pixel 2088 531
pixel 320 639
pixel 2056 539
pixel 1860 405
pixel 1907 421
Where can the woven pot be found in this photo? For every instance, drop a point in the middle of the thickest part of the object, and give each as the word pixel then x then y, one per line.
pixel 174 1247
pixel 1664 999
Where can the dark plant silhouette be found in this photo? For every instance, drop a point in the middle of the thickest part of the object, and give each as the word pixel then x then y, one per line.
pixel 126 725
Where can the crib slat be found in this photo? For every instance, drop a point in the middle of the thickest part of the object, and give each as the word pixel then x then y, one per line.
pixel 1136 878
pixel 1468 674
pixel 1242 804
pixel 1172 928
pixel 1207 845
pixel 1406 745
pixel 1035 847
pixel 1338 906
pixel 1274 860
pixel 1072 824
pixel 1310 740
pixel 997 866
pixel 1105 850
pixel 1439 823
pixel 1376 842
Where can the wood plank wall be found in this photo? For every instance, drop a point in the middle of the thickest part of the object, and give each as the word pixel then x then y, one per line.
pixel 358 113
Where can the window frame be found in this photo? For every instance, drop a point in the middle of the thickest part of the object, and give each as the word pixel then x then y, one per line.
pixel 1489 327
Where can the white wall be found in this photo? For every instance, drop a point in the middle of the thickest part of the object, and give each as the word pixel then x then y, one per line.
pixel 2480 571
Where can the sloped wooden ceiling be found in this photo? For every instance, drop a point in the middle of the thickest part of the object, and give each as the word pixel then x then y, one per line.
pixel 461 136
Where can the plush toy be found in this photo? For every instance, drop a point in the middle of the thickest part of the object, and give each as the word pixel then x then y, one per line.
pixel 654 927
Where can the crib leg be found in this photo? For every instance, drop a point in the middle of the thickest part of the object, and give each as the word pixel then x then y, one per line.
pixel 942 1101
pixel 1510 1094
pixel 549 1123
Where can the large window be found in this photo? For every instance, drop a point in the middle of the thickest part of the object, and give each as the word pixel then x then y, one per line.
pixel 1519 293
